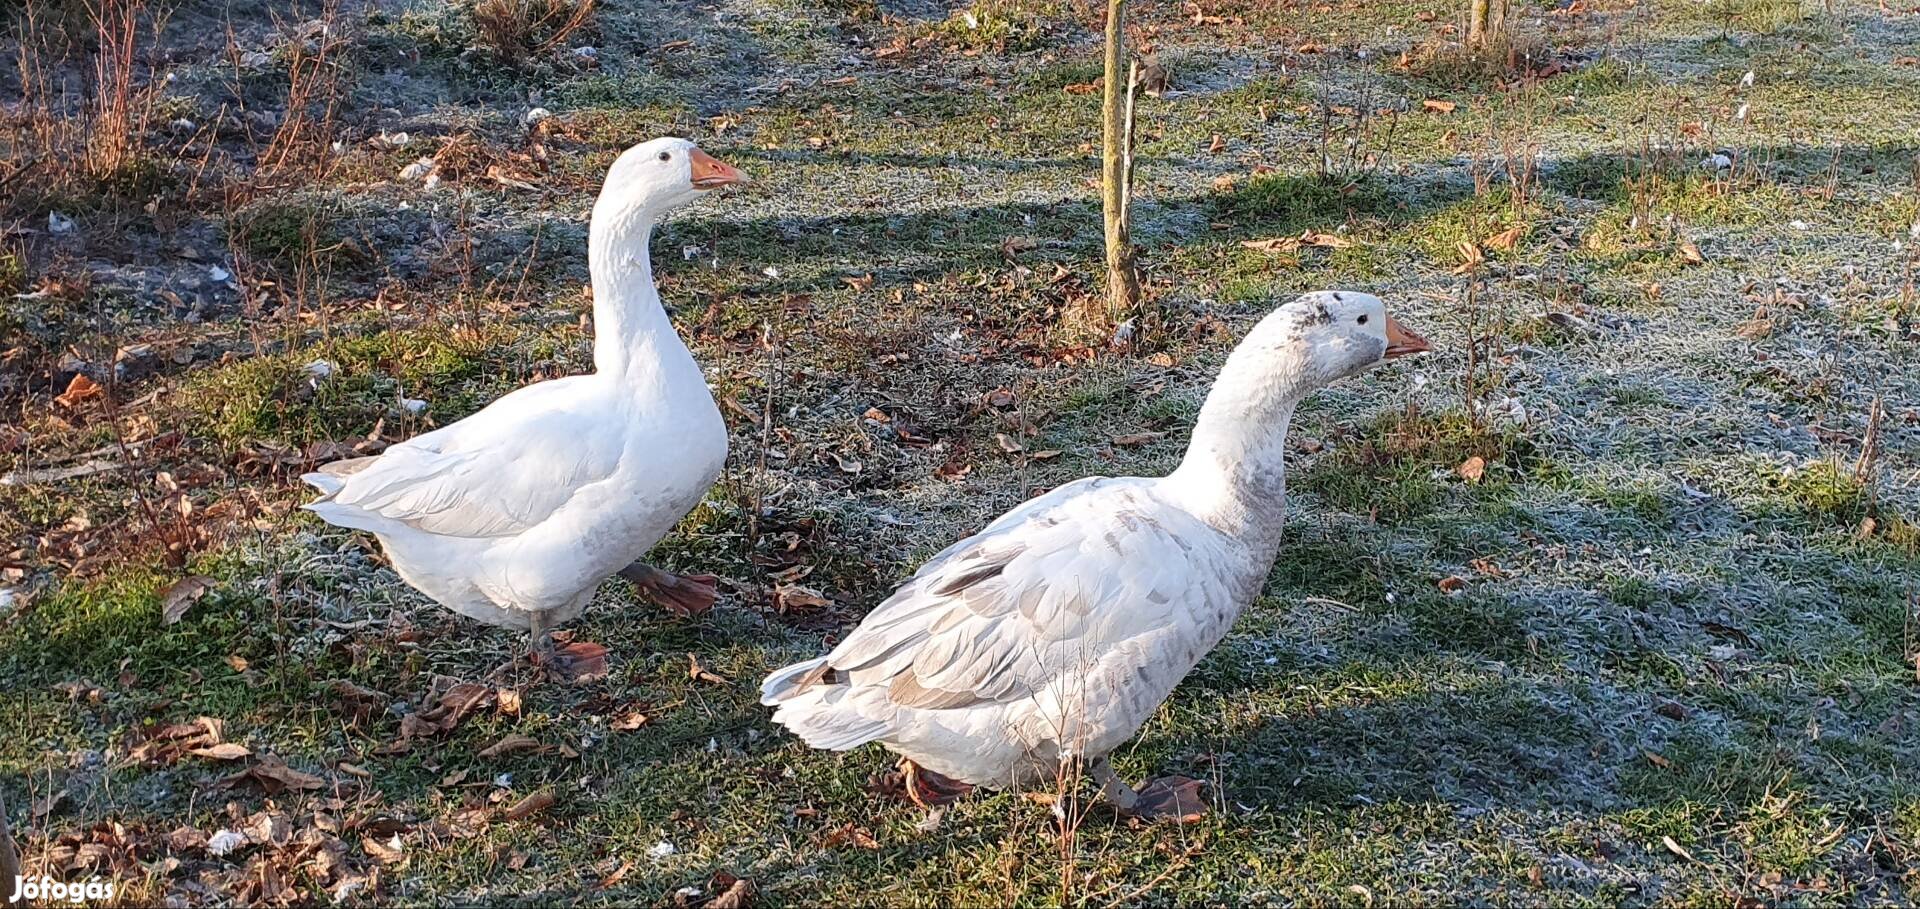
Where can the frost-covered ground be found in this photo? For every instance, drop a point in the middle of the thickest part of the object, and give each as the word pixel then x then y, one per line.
pixel 1662 650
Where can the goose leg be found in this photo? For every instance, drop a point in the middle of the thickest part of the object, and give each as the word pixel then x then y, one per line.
pixel 539 638
pixel 683 595
pixel 1120 794
pixel 1174 798
pixel 926 788
pixel 576 661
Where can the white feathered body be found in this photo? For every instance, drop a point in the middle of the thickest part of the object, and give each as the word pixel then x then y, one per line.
pixel 1059 629
pixel 526 506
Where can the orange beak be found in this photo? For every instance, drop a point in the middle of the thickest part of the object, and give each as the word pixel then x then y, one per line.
pixel 712 173
pixel 1402 341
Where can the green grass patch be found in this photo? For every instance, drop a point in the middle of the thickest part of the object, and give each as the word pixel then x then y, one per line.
pixel 1403 465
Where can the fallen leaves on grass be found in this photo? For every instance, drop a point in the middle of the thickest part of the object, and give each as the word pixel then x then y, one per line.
pixel 530 806
pixel 849 835
pixel 79 391
pixel 450 707
pixel 273 776
pixel 1452 584
pixel 511 743
pixel 1472 469
pixel 225 751
pixel 356 702
pixel 78 691
pixel 1438 106
pixel 1470 257
pixel 181 595
pixel 1136 439
pixel 731 892
pixel 701 673
pixel 1505 240
pixel 788 598
pixel 1294 244
pixel 166 745
pixel 627 721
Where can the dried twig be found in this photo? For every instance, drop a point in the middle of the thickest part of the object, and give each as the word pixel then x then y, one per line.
pixel 1863 468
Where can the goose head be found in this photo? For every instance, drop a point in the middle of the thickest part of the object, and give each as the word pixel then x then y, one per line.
pixel 1234 473
pixel 653 178
pixel 1320 338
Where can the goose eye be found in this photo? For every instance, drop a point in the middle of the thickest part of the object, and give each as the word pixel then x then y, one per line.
pixel 666 156
pixel 1363 319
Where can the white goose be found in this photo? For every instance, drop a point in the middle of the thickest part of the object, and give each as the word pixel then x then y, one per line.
pixel 514 515
pixel 1058 630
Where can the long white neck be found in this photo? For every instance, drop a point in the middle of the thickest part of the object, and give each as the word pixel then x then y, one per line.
pixel 632 337
pixel 1234 475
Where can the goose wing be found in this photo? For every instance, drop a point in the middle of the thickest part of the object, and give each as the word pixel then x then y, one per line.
pixel 1043 592
pixel 497 473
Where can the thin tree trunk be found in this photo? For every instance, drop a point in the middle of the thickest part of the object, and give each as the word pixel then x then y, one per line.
pixel 1123 286
pixel 9 859
pixel 1477 22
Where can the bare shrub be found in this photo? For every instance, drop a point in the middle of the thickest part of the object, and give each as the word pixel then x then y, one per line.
pixel 518 30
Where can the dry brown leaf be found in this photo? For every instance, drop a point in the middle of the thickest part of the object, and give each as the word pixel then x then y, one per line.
pixel 1438 105
pixel 1326 240
pixel 181 595
pixel 731 892
pixel 1676 848
pixel 511 743
pixel 274 776
pixel 79 391
pixel 531 805
pixel 1658 760
pixel 1469 256
pixel 850 835
pixel 1273 244
pixel 1008 444
pixel 1472 469
pixel 1218 145
pixel 1505 239
pixel 1084 88
pixel 1047 454
pixel 701 673
pixel 1691 253
pixel 628 721
pixel 793 597
pixel 389 852
pixel 1452 584
pixel 452 706
pixel 613 879
pixel 229 751
pixel 1133 439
